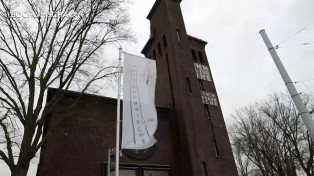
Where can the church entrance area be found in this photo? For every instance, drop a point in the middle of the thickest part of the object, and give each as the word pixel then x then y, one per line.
pixel 141 170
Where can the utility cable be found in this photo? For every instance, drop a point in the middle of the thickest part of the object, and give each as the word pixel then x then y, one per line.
pixel 302 83
pixel 305 80
pixel 294 34
pixel 306 90
pixel 277 46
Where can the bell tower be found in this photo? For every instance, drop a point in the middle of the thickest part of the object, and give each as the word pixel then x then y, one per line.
pixel 185 85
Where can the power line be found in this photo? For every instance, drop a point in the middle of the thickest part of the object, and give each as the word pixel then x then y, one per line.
pixel 305 80
pixel 295 34
pixel 301 82
pixel 307 87
pixel 302 44
pixel 306 90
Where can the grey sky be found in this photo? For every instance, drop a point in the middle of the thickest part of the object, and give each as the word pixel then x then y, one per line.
pixel 242 68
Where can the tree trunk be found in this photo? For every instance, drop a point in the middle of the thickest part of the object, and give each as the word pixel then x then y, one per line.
pixel 20 170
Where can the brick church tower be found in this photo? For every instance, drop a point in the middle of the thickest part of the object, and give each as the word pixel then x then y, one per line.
pixel 185 84
pixel 192 136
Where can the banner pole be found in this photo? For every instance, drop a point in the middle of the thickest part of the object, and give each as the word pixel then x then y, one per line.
pixel 109 162
pixel 118 114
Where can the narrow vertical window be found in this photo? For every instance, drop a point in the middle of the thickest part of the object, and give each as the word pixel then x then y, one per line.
pixel 205 168
pixel 207 111
pixel 194 55
pixel 165 41
pixel 154 55
pixel 189 84
pixel 214 139
pixel 159 49
pixel 216 148
pixel 201 84
pixel 178 35
pixel 201 57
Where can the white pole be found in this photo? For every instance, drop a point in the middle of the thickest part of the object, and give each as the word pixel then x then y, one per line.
pixel 108 165
pixel 118 113
pixel 306 117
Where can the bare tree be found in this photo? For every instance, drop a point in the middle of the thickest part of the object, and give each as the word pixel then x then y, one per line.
pixel 270 139
pixel 49 43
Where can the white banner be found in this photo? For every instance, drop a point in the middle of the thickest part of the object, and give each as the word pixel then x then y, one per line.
pixel 139 112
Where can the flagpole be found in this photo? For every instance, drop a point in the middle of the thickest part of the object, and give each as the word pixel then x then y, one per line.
pixel 118 114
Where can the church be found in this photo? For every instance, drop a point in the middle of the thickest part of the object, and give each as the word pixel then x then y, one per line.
pixel 192 135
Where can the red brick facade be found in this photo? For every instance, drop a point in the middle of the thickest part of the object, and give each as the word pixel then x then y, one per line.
pixel 203 142
pixel 191 141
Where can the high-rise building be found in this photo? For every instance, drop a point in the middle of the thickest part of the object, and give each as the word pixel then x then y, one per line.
pixel 192 136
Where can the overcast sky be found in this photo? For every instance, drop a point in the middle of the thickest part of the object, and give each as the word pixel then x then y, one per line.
pixel 242 68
